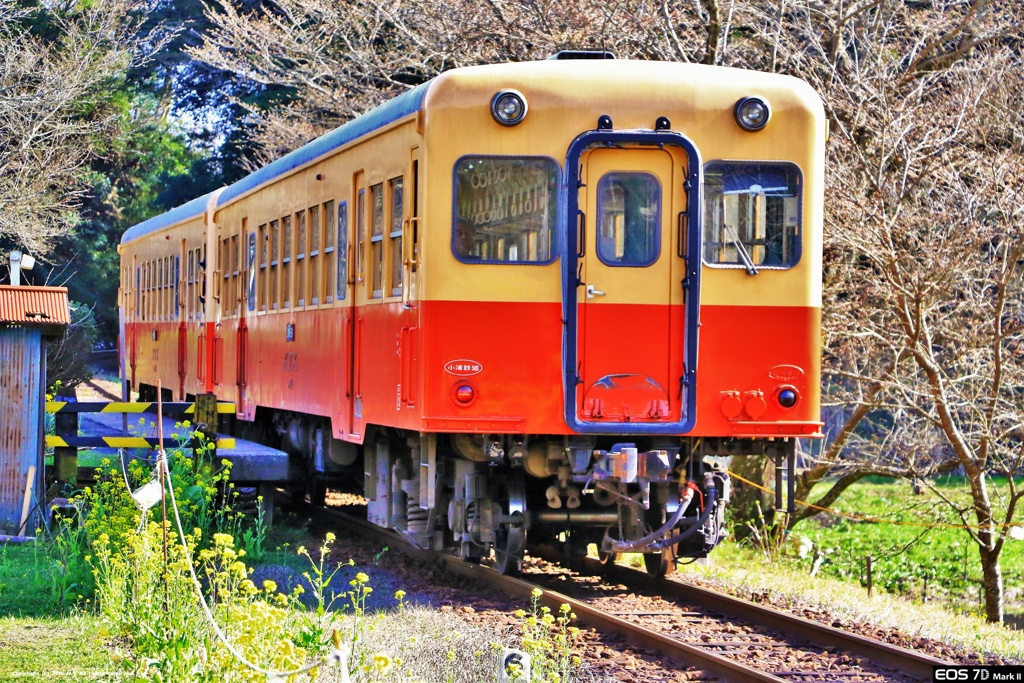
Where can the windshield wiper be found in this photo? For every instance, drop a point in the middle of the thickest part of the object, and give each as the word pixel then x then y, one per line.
pixel 744 254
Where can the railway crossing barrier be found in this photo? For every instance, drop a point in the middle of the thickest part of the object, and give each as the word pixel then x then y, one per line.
pixel 66 441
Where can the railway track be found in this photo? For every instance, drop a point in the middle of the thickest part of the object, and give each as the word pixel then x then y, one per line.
pixel 733 639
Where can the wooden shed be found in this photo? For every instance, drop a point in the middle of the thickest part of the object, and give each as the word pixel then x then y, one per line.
pixel 28 316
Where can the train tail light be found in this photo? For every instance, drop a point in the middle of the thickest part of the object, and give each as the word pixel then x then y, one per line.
pixel 464 394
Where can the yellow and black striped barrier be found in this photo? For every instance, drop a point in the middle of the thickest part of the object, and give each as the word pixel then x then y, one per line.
pixel 170 408
pixel 121 442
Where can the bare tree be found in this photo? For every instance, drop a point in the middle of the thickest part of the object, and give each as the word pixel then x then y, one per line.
pixel 338 60
pixel 924 264
pixel 54 109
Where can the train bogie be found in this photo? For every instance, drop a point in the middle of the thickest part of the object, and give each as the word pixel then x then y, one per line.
pixel 520 300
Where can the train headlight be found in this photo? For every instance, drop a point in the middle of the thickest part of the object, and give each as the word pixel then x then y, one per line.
pixel 508 107
pixel 752 113
pixel 787 397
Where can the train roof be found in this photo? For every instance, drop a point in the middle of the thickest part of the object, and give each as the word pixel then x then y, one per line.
pixel 405 104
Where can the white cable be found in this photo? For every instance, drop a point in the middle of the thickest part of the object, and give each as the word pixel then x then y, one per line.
pixel 338 655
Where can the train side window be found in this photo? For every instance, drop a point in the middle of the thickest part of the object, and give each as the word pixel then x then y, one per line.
pixel 224 265
pixel 628 219
pixel 143 312
pixel 395 234
pixel 752 214
pixel 342 251
pixel 300 258
pixel 377 239
pixel 163 268
pixel 193 283
pixel 275 255
pixel 330 235
pixel 314 255
pixel 286 261
pixel 263 246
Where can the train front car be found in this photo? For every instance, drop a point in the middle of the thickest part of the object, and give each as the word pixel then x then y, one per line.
pixel 619 276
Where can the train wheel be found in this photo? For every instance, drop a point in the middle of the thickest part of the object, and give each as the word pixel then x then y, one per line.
pixel 510 533
pixel 606 558
pixel 660 564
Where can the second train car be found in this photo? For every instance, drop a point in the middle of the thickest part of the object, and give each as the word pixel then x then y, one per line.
pixel 519 301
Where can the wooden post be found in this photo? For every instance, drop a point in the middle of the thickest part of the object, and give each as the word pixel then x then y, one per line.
pixel 206 420
pixel 868 558
pixel 30 481
pixel 65 459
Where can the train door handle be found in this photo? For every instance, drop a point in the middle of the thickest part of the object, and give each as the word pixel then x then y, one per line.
pixel 591 292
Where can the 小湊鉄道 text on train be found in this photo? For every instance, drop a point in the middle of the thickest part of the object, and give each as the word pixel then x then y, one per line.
pixel 519 301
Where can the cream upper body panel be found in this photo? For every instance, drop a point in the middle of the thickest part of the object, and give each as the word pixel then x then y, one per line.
pixel 565 99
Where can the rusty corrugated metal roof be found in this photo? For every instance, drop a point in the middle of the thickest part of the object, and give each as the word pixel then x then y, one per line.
pixel 34 306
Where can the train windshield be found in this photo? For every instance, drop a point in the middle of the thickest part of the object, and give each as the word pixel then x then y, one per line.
pixel 752 214
pixel 506 209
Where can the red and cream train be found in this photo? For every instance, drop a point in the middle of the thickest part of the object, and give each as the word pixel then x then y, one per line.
pixel 519 299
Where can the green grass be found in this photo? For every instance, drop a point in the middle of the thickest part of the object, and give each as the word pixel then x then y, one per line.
pixel 917 543
pixel 57 650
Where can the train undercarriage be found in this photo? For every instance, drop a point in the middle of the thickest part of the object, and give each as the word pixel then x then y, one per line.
pixel 478 494
pixel 475 494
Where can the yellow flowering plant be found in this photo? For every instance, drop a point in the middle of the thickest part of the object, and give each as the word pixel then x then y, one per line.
pixel 549 640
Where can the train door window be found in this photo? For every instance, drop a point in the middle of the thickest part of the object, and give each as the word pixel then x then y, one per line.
pixel 300 258
pixel 629 219
pixel 377 239
pixel 275 255
pixel 236 274
pixel 138 289
pixel 286 261
pixel 262 244
pixel 252 269
pixel 329 258
pixel 190 270
pixel 176 311
pixel 506 209
pixel 752 214
pixel 342 251
pixel 360 234
pixel 395 234
pixel 415 225
pixel 314 255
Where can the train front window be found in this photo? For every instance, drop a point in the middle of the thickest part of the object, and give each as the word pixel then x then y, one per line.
pixel 506 209
pixel 752 214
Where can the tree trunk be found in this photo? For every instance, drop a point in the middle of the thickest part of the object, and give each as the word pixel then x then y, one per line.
pixel 992 574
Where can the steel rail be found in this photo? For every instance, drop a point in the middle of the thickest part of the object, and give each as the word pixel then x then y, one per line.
pixel 881 653
pixel 900 659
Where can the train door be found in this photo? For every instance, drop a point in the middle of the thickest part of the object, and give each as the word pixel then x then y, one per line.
pixel 247 308
pixel 406 261
pixel 628 350
pixel 181 311
pixel 356 293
